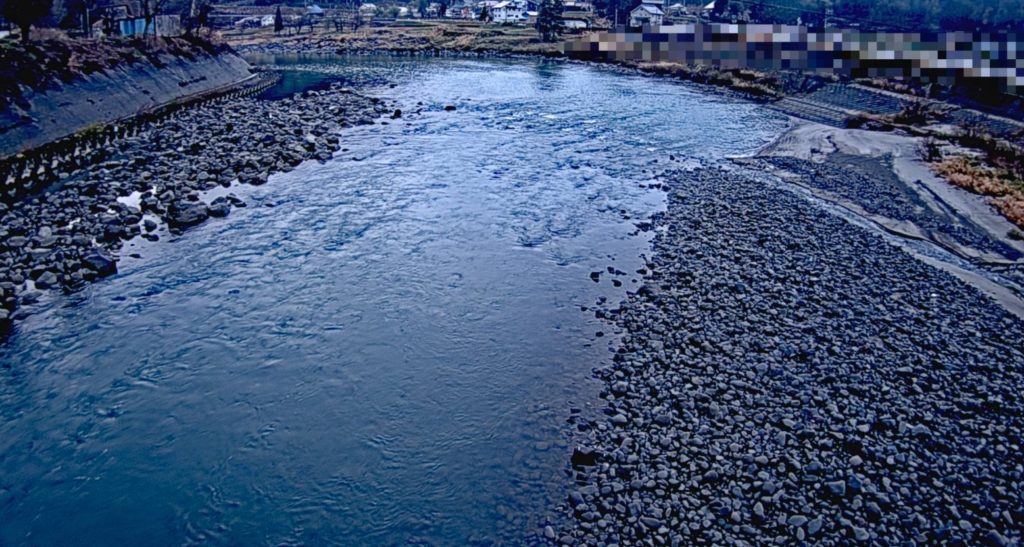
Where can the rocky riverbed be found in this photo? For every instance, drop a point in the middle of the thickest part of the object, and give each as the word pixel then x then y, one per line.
pixel 784 376
pixel 155 184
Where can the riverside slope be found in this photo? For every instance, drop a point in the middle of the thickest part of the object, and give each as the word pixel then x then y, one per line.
pixel 64 108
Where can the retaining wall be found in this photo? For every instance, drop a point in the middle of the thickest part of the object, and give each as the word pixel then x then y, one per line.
pixel 118 93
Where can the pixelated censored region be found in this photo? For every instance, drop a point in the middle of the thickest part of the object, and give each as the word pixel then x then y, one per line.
pixel 941 57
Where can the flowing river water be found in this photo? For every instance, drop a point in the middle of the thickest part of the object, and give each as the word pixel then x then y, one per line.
pixel 380 349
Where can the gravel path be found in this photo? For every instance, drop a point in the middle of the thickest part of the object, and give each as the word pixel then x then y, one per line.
pixel 71 234
pixel 784 376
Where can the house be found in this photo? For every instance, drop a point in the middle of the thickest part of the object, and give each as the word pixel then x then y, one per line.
pixel 115 9
pixel 460 9
pixel 267 21
pixel 315 11
pixel 125 18
pixel 509 11
pixel 483 5
pixel 161 25
pixel 366 12
pixel 648 13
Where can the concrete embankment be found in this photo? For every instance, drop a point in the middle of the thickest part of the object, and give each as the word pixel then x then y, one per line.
pixel 44 115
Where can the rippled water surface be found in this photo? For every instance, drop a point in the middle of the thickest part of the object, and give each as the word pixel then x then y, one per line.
pixel 380 349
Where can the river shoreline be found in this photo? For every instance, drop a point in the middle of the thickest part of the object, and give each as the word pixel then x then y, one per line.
pixel 786 376
pixel 66 236
pixel 40 254
pixel 782 375
pixel 752 85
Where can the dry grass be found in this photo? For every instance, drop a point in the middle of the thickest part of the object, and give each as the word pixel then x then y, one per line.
pixel 1006 191
pixel 890 85
pixel 754 83
pixel 422 36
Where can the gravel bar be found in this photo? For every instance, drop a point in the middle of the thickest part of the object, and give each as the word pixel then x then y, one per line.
pixel 783 376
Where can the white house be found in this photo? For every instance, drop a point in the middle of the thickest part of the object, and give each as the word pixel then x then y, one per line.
pixel 647 13
pixel 509 11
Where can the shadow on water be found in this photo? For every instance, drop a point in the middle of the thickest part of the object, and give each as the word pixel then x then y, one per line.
pixel 293 82
pixel 388 354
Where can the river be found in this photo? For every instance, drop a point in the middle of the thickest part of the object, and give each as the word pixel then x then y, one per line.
pixel 380 349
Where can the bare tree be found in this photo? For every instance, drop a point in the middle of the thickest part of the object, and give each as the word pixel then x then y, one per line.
pixel 198 16
pixel 25 13
pixel 150 9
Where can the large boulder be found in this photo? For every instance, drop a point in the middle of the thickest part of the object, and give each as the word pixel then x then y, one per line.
pixel 220 207
pixel 99 262
pixel 47 280
pixel 183 214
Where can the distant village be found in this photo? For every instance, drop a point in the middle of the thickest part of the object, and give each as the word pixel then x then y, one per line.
pixel 173 17
pixel 577 15
pixel 129 17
